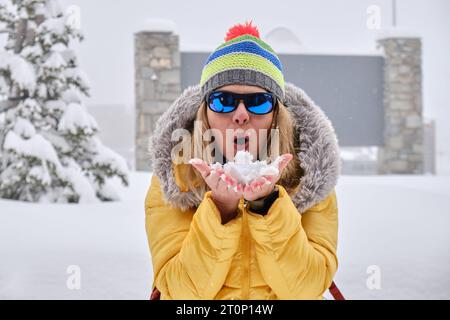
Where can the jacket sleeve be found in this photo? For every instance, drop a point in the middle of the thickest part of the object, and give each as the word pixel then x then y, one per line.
pixel 191 250
pixel 297 253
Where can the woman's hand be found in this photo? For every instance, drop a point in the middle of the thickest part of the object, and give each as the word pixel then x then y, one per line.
pixel 225 191
pixel 264 186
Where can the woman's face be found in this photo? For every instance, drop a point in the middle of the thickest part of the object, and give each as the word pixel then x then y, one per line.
pixel 239 121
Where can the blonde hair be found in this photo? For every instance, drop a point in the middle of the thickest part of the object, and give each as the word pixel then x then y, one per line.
pixel 288 143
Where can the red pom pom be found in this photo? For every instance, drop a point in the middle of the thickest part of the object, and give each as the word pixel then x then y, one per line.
pixel 241 29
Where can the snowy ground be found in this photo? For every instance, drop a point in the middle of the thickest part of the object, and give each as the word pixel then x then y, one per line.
pixel 397 223
pixel 400 224
pixel 38 242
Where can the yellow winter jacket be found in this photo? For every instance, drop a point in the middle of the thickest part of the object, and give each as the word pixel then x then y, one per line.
pixel 282 255
pixel 290 253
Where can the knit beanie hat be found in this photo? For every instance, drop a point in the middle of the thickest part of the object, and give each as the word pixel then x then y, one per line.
pixel 243 59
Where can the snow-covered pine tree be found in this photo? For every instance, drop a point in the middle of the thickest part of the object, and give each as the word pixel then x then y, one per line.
pixel 48 145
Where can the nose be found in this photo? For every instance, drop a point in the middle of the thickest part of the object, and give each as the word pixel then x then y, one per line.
pixel 241 115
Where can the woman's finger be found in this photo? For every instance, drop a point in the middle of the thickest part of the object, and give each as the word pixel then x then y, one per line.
pixel 226 189
pixel 228 180
pixel 284 161
pixel 239 188
pixel 256 185
pixel 267 186
pixel 213 179
pixel 251 194
pixel 233 185
pixel 222 186
pixel 266 181
pixel 201 166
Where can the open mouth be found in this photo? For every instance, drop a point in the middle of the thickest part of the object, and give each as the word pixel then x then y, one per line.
pixel 241 143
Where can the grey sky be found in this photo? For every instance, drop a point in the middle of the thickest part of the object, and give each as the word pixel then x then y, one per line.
pixel 326 26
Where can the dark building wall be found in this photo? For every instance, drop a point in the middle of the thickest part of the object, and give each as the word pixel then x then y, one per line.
pixel 348 88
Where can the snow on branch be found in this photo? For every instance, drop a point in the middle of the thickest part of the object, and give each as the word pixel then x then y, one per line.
pixel 21 71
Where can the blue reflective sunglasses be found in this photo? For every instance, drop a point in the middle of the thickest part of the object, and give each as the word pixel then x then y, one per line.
pixel 256 103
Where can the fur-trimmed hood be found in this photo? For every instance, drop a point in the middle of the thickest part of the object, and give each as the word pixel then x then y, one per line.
pixel 318 154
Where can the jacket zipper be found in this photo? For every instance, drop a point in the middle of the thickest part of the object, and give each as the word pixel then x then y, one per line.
pixel 246 256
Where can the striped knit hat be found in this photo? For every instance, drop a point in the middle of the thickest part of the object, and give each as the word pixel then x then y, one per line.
pixel 243 59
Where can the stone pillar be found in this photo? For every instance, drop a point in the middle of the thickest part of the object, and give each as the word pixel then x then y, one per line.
pixel 403 134
pixel 157 84
pixel 429 150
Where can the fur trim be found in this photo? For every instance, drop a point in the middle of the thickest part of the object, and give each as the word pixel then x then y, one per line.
pixel 319 151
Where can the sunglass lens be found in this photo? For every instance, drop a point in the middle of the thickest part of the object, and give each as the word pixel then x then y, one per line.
pixel 221 102
pixel 260 103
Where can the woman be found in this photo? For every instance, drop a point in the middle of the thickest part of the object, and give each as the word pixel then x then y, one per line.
pixel 213 238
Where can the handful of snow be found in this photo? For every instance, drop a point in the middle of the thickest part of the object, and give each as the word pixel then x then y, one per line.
pixel 244 169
